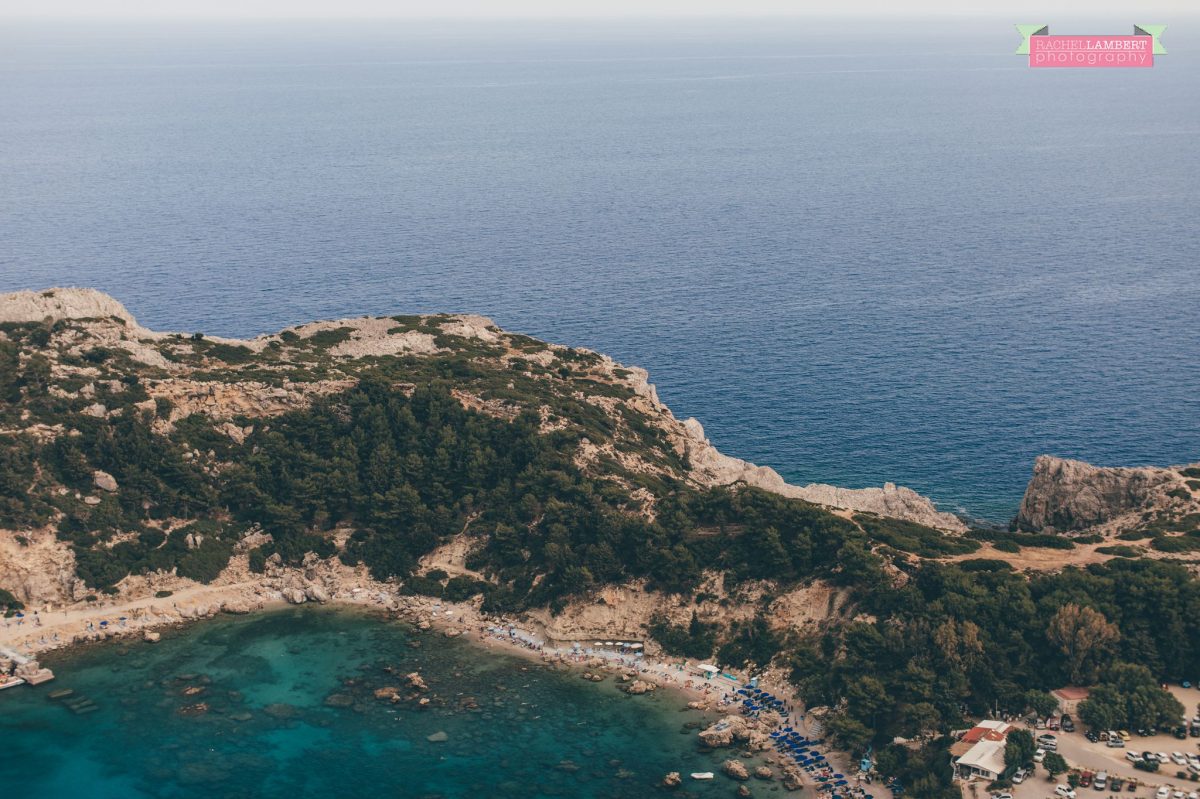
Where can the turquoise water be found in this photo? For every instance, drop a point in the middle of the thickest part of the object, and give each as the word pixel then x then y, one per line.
pixel 269 731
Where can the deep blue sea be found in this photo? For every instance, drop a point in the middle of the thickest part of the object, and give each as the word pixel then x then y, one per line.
pixel 856 251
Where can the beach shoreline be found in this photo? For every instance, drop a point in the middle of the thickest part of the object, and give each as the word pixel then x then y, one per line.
pixel 142 618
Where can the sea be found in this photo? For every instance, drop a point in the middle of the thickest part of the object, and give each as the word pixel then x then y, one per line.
pixel 290 711
pixel 857 250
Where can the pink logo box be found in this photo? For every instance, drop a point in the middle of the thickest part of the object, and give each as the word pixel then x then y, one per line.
pixel 1091 51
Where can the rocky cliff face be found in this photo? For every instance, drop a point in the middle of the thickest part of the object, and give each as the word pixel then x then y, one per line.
pixel 1068 495
pixel 711 467
pixel 98 319
pixel 62 303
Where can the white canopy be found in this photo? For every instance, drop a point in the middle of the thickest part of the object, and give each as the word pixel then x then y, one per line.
pixel 708 667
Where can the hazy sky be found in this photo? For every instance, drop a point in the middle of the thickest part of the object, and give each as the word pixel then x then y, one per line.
pixel 1043 10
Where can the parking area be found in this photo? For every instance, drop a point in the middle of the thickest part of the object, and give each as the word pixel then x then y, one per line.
pixel 1084 755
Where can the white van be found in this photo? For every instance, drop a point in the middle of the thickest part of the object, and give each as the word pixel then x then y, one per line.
pixel 1100 781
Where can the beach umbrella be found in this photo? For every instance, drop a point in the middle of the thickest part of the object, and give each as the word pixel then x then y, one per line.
pixel 20 615
pixel 608 643
pixel 599 643
pixel 635 646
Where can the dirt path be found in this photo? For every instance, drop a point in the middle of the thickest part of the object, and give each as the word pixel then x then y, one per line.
pixel 49 630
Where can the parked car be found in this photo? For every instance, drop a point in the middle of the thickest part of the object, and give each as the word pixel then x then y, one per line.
pixel 1132 757
pixel 1178 758
pixel 1093 737
pixel 1085 779
pixel 1019 776
pixel 1067 792
pixel 1039 756
pixel 1067 724
pixel 1163 757
pixel 1163 792
pixel 1116 783
pixel 1100 783
pixel 1125 736
pixel 1114 743
pixel 1002 796
pixel 1149 757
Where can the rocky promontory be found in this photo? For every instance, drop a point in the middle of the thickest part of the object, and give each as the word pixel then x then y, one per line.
pixel 1070 496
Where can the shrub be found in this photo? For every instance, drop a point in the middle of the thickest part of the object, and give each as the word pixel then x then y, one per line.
pixel 915 538
pixel 1175 544
pixel 162 594
pixel 1120 550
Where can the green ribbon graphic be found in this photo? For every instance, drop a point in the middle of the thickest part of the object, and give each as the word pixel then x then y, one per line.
pixel 1153 31
pixel 1031 30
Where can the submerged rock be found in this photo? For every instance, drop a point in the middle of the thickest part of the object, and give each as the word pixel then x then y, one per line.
pixel 339 700
pixel 437 737
pixel 735 769
pixel 672 780
pixel 279 710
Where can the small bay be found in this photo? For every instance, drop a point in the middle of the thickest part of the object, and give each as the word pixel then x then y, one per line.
pixel 283 704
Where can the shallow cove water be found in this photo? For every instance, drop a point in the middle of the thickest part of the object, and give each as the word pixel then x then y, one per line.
pixel 269 731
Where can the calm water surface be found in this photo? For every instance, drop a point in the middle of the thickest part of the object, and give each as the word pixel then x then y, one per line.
pixel 270 730
pixel 857 252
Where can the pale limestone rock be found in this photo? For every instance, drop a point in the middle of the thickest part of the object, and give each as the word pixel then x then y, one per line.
pixel 316 593
pixel 1065 495
pixel 711 467
pixel 61 303
pixel 735 769
pixel 104 481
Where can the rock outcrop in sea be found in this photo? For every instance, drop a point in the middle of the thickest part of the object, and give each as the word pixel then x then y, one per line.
pixel 1070 496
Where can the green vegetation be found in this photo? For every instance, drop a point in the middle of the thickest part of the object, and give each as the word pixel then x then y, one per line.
pixel 1013 541
pixel 1180 543
pixel 1054 763
pixel 1019 749
pixel 696 640
pixel 1120 550
pixel 913 537
pixel 1129 697
pixel 919 641
pixel 9 603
